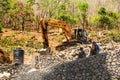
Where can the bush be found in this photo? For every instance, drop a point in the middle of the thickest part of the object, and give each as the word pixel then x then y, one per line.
pixel 83 6
pixel 102 11
pixel 115 35
pixel 106 19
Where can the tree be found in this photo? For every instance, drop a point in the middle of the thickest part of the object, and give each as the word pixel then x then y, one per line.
pixel 4 8
pixel 19 16
pixel 106 19
pixel 64 13
pixel 58 9
pixel 83 8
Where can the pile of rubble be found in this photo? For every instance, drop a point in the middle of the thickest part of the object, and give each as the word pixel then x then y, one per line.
pixel 65 65
pixel 104 66
pixel 71 53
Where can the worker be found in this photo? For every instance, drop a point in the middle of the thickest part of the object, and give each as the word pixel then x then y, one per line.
pixel 81 53
pixel 82 36
pixel 85 36
pixel 94 49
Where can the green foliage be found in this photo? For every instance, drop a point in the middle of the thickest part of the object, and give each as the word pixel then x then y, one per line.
pixel 58 38
pixel 38 45
pixel 1 28
pixel 67 18
pixel 65 15
pixel 12 2
pixel 30 43
pixel 4 8
pixel 95 20
pixel 19 16
pixel 102 21
pixel 30 2
pixel 115 18
pixel 52 1
pixel 114 34
pixel 102 11
pixel 43 3
pixel 105 19
pixel 62 7
pixel 114 15
pixel 25 38
pixel 10 41
pixel 58 10
pixel 83 7
pixel 10 49
pixel 18 42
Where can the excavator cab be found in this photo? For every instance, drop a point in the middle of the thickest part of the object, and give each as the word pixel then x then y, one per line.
pixel 80 35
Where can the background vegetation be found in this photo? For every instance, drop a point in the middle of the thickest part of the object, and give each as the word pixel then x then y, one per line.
pixel 88 14
pixel 25 14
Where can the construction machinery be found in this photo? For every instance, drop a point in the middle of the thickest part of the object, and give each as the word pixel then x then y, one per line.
pixel 54 23
pixel 69 33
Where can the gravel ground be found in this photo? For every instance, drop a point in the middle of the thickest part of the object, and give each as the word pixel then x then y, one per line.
pixel 66 66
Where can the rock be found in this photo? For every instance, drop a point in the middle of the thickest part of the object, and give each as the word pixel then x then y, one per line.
pixel 32 70
pixel 4 74
pixel 65 66
pixel 44 51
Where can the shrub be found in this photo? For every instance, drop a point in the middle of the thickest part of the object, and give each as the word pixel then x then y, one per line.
pixel 102 11
pixel 106 19
pixel 30 44
pixel 38 45
pixel 115 35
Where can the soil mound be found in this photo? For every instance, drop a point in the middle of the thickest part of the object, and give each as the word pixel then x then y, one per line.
pixel 4 57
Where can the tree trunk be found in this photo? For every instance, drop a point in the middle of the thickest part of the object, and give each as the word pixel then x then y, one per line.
pixel 23 25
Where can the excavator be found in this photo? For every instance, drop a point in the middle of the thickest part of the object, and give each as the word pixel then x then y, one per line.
pixel 54 23
pixel 77 34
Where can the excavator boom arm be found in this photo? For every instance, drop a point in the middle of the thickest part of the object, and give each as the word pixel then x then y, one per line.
pixel 54 23
pixel 65 27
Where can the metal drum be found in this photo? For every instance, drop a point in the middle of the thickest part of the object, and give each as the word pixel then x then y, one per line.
pixel 18 56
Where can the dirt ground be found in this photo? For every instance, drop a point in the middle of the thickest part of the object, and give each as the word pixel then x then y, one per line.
pixel 4 57
pixel 54 35
pixel 55 39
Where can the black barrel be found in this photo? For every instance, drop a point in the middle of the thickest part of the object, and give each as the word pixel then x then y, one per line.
pixel 18 56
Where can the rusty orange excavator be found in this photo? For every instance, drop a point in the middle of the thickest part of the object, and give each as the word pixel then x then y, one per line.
pixel 54 23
